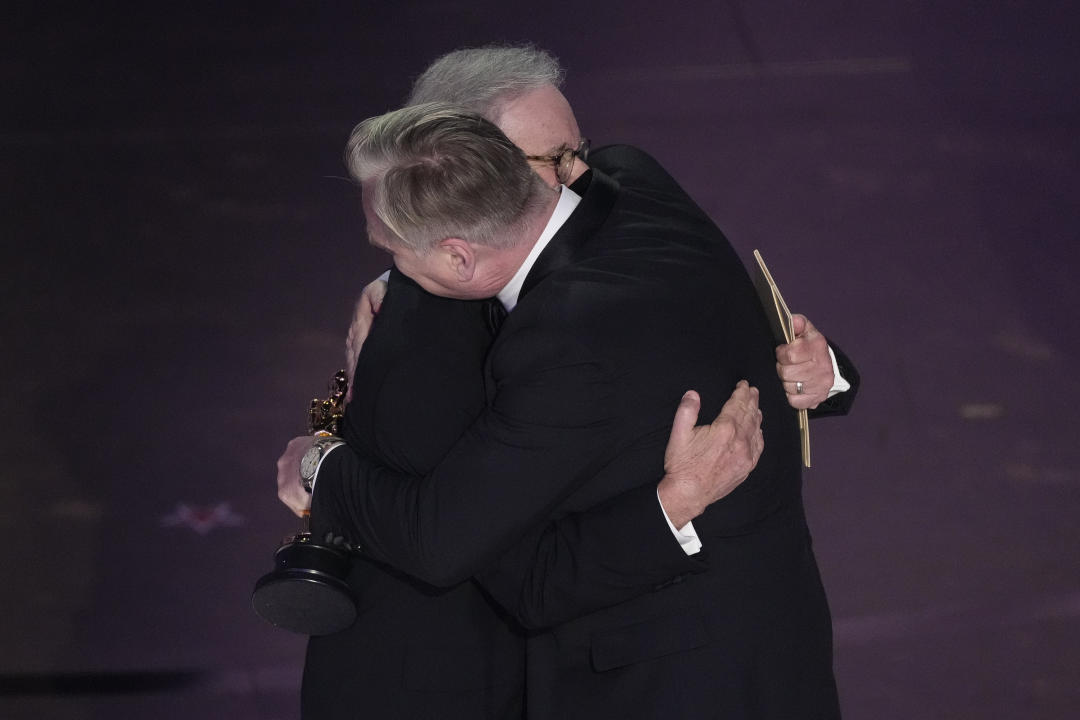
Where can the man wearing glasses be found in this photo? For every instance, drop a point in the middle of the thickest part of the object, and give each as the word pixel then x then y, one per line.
pixel 624 674
pixel 517 88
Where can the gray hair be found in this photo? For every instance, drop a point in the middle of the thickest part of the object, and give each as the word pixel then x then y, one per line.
pixel 484 79
pixel 438 171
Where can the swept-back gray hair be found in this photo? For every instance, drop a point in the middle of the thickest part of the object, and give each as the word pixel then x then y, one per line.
pixel 484 79
pixel 438 171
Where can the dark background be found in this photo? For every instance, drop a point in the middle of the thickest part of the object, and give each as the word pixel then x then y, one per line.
pixel 180 254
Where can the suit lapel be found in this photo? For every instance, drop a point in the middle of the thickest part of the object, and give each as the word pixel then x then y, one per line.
pixel 582 224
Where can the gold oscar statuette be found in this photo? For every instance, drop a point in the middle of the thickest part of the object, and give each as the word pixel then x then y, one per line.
pixel 306 591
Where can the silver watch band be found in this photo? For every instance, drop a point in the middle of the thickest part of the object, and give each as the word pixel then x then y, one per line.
pixel 323 444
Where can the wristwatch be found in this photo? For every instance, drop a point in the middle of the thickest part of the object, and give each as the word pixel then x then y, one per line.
pixel 309 463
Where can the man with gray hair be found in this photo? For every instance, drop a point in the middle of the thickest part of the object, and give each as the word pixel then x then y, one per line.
pixel 386 673
pixel 518 89
pixel 609 293
pixel 484 79
pixel 413 354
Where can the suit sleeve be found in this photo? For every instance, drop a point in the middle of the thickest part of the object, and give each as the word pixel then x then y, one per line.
pixel 635 169
pixel 487 504
pixel 590 560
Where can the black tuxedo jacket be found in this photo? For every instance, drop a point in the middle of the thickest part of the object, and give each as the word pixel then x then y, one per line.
pixel 637 298
pixel 415 651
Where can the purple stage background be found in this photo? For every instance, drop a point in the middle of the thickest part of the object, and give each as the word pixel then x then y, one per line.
pixel 180 254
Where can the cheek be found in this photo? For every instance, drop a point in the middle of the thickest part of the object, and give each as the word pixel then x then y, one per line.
pixel 547 174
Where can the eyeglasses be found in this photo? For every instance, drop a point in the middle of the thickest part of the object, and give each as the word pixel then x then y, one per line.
pixel 564 161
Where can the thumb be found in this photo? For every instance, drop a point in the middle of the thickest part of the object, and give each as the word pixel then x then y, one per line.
pixel 686 415
pixel 799 324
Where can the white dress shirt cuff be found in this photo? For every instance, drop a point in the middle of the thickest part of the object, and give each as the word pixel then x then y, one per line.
pixel 839 383
pixel 686 535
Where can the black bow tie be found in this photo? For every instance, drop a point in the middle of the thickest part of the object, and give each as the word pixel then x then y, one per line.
pixel 496 314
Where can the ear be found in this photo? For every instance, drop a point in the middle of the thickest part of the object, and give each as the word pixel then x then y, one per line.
pixel 462 257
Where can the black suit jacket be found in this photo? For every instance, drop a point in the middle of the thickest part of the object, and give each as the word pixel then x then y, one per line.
pixel 637 298
pixel 415 651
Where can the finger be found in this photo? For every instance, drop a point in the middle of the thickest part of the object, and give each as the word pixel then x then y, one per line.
pixel 686 416
pixel 799 402
pixel 808 356
pixel 354 344
pixel 350 368
pixel 374 294
pixel 798 351
pixel 351 359
pixel 790 374
pixel 351 354
pixel 294 498
pixel 300 501
pixel 376 299
pixel 732 407
pixel 791 384
pixel 806 401
pixel 741 410
pixel 365 315
pixel 741 396
pixel 793 352
pixel 750 418
pixel 741 393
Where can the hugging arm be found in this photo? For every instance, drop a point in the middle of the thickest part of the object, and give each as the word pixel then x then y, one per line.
pixel 544 571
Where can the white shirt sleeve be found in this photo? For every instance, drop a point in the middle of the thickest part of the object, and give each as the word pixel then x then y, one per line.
pixel 686 535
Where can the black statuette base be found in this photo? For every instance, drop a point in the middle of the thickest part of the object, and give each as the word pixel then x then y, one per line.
pixel 306 592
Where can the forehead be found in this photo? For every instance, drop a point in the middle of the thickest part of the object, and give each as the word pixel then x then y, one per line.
pixel 539 121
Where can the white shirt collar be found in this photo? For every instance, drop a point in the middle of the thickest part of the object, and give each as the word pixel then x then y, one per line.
pixel 568 200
